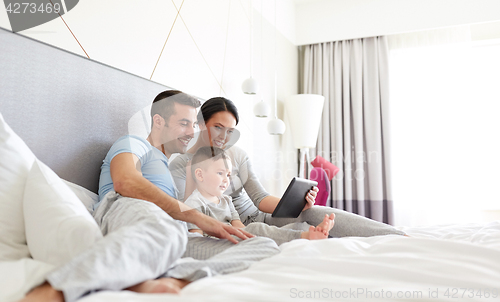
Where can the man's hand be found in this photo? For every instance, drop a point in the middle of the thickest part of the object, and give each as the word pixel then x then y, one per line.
pixel 220 230
pixel 311 198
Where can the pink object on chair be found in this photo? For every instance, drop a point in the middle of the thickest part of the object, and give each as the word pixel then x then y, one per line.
pixel 321 177
pixel 330 169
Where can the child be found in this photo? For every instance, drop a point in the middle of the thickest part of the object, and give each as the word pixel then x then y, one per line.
pixel 211 169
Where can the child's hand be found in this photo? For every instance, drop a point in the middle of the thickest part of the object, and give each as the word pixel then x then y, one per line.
pixel 311 198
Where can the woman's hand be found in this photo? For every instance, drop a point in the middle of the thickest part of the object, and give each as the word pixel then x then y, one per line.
pixel 311 198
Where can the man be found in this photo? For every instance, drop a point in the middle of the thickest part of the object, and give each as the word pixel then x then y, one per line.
pixel 136 214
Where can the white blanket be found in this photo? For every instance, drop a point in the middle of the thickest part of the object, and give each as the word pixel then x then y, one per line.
pixel 442 263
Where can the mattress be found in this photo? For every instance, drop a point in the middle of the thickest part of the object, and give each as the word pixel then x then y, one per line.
pixel 441 263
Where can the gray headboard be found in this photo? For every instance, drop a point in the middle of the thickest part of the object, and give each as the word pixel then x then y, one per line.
pixel 68 109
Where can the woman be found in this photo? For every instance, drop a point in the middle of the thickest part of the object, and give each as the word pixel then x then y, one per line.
pixel 217 119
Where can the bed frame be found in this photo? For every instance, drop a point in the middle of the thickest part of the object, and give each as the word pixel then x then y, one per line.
pixel 67 108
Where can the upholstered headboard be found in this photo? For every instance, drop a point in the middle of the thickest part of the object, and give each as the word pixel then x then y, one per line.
pixel 68 109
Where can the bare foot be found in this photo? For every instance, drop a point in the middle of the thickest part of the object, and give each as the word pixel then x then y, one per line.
pixel 327 224
pixel 44 293
pixel 313 234
pixel 162 285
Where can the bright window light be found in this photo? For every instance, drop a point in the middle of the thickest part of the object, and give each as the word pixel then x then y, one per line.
pixel 445 119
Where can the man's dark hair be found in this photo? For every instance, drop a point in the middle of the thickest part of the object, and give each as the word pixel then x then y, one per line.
pixel 214 105
pixel 205 153
pixel 163 104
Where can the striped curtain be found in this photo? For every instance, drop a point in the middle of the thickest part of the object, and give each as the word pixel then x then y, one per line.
pixel 354 132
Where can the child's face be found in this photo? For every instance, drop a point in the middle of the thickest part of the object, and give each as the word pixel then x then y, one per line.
pixel 216 177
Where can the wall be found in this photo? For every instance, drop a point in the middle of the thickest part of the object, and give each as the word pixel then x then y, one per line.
pixel 195 59
pixel 331 20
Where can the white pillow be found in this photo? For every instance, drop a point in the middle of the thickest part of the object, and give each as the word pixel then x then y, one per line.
pixel 16 160
pixel 18 277
pixel 87 197
pixel 58 226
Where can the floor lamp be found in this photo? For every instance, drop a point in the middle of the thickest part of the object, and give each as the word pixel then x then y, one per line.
pixel 304 112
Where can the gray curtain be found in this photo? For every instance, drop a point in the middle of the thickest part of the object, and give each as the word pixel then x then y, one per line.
pixel 353 77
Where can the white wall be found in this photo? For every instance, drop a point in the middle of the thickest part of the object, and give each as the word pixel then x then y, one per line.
pixel 331 20
pixel 129 35
pixel 284 18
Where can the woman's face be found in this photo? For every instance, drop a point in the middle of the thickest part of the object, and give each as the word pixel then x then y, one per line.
pixel 220 128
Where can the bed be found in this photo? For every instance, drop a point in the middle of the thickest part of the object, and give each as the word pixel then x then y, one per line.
pixel 69 110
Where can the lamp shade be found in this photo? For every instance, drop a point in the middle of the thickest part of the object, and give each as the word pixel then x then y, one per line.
pixel 276 126
pixel 250 86
pixel 261 109
pixel 304 112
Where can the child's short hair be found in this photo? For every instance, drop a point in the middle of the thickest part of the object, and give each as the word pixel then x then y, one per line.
pixel 205 153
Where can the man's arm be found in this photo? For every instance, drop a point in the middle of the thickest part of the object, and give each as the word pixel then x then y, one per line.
pixel 129 182
pixel 196 231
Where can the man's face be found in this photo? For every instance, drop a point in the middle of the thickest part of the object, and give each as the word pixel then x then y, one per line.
pixel 179 129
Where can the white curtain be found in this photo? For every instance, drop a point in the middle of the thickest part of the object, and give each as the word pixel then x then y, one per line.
pixel 354 136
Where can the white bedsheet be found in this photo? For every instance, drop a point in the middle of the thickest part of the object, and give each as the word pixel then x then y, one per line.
pixel 443 263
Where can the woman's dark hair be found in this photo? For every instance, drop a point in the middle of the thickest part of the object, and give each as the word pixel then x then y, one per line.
pixel 214 105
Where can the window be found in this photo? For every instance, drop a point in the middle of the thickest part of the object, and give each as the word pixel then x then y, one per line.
pixel 445 124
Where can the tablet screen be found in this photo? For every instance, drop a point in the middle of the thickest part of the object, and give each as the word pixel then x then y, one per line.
pixel 293 201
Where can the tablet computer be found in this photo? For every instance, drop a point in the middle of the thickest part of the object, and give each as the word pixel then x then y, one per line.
pixel 294 199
